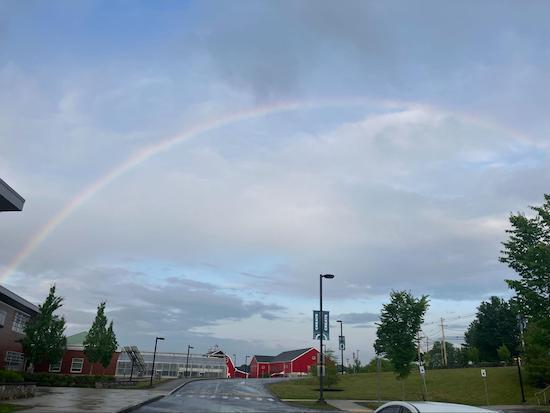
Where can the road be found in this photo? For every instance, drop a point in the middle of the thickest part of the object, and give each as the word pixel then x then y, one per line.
pixel 232 395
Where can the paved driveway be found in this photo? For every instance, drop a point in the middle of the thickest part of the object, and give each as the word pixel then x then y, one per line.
pixel 222 396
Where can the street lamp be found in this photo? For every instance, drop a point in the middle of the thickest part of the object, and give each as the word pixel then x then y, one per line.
pixel 187 360
pixel 154 356
pixel 321 355
pixel 341 347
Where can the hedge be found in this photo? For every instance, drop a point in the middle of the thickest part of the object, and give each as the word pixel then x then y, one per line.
pixel 7 376
pixel 66 380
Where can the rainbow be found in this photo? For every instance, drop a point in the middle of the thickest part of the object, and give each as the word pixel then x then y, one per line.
pixel 148 151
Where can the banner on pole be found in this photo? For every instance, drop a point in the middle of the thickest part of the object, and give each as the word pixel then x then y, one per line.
pixel 321 325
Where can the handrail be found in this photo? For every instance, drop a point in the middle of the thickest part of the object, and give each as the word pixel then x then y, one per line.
pixel 543 394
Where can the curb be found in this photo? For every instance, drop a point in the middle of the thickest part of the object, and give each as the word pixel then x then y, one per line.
pixel 143 403
pixel 186 383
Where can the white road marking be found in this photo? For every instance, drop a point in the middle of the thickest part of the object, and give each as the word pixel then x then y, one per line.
pixel 271 400
pixel 259 399
pixel 212 397
pixel 225 397
pixel 247 398
pixel 202 396
pixel 236 397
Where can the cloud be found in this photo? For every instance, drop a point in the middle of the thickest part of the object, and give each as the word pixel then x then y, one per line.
pixel 358 319
pixel 142 307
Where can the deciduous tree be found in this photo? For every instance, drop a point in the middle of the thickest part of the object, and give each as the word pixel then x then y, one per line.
pixel 527 252
pixel 100 342
pixel 400 321
pixel 45 339
pixel 495 324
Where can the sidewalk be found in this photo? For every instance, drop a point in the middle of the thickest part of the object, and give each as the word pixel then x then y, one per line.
pixel 344 405
pixel 349 406
pixel 79 400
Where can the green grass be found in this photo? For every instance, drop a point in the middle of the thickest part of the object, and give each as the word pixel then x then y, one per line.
pixel 9 408
pixel 451 385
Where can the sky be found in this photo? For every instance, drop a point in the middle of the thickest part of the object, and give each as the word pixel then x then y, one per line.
pixel 198 164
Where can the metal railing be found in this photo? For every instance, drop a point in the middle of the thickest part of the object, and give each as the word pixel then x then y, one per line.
pixel 542 395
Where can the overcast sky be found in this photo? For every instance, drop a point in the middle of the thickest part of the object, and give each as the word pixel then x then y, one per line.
pixel 407 132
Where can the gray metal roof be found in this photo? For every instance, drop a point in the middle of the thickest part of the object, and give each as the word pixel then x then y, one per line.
pixel 263 359
pixel 9 199
pixel 16 301
pixel 289 355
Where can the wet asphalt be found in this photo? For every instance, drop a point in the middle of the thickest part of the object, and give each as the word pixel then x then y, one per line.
pixel 233 395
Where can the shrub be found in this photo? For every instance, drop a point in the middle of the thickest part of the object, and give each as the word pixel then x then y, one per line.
pixel 66 380
pixel 7 376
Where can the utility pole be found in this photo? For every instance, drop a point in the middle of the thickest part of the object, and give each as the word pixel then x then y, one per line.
pixel 443 346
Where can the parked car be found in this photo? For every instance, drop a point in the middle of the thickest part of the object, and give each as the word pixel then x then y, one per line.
pixel 429 407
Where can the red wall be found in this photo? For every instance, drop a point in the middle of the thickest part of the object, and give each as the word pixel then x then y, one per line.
pixel 258 370
pixel 302 363
pixel 240 374
pixel 67 361
pixel 230 367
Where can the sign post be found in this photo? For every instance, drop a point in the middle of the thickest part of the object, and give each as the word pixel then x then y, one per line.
pixel 423 375
pixel 484 375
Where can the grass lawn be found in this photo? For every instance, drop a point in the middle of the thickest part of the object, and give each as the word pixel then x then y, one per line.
pixel 451 385
pixel 8 408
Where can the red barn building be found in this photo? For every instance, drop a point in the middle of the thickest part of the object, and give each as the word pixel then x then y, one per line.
pixel 294 362
pixel 259 366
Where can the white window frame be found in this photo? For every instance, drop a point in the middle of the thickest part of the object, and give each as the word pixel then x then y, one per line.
pixel 9 365
pixel 55 367
pixel 73 370
pixel 20 320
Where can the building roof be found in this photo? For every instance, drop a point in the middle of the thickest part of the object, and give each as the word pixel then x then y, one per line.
pixel 10 298
pixel 263 359
pixel 77 340
pixel 9 199
pixel 289 355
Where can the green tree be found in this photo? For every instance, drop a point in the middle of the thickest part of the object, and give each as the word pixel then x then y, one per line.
pixel 537 353
pixel 527 252
pixel 45 339
pixel 400 321
pixel 100 342
pixel 472 354
pixel 434 359
pixel 331 370
pixel 504 354
pixel 385 365
pixel 495 324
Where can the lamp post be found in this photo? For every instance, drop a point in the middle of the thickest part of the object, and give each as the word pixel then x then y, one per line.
pixel 246 364
pixel 321 355
pixel 341 347
pixel 187 360
pixel 154 356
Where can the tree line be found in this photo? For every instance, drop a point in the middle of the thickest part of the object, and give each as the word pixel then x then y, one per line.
pixel 45 340
pixel 502 329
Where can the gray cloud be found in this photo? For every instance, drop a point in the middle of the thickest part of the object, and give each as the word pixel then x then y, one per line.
pixel 358 319
pixel 141 308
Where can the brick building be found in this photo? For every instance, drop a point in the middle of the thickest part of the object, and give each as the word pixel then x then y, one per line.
pixel 75 362
pixel 15 312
